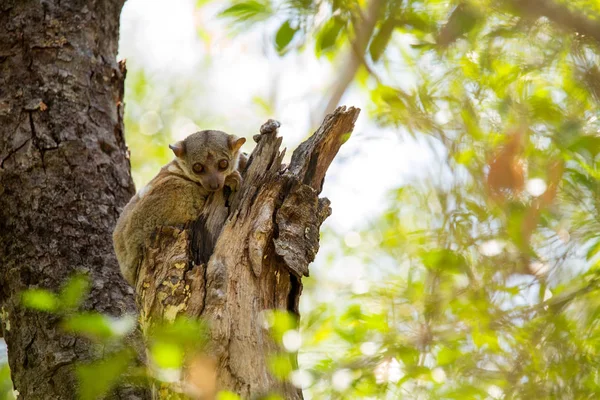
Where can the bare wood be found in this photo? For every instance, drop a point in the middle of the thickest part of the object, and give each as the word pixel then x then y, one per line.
pixel 263 244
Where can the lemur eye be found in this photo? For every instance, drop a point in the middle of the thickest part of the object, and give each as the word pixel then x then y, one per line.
pixel 223 164
pixel 198 168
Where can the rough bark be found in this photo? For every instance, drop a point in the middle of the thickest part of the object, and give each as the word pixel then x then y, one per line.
pixel 64 172
pixel 264 236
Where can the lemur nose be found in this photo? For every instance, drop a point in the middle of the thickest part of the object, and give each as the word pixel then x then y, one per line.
pixel 214 186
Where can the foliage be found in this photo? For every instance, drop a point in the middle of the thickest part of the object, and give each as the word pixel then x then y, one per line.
pixel 6 390
pixel 490 288
pixel 171 345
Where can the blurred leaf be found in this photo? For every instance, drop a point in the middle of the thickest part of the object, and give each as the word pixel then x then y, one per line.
pixel 167 355
pixel 381 39
pixel 443 260
pixel 281 322
pixel 247 11
pixel 593 250
pixel 91 324
pixel 284 36
pixel 184 331
pixel 6 385
pixel 447 356
pixel 96 379
pixel 418 21
pixel 482 337
pixel 271 396
pixel 408 355
pixel 460 22
pixel 225 395
pixel 328 35
pixel 281 366
pixel 74 292
pixel 586 144
pixel 465 156
pixel 40 299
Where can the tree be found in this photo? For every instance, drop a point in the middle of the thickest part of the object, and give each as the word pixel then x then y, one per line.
pixel 64 174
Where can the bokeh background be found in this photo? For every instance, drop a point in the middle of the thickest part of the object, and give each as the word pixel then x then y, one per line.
pixel 461 259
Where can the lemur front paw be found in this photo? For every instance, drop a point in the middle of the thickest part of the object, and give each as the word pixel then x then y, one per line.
pixel 234 181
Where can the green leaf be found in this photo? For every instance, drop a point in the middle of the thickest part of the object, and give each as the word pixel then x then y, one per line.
pixel 586 144
pixel 94 325
pixel 418 22
pixel 381 39
pixel 417 371
pixel 6 386
pixel 462 20
pixel 186 332
pixel 271 396
pixel 281 366
pixel 483 337
pixel 247 11
pixel 443 260
pixel 327 37
pixel 593 251
pixel 409 355
pixel 73 293
pixel 40 299
pixel 465 157
pixel 96 379
pixel 284 36
pixel 225 395
pixel 167 355
pixel 280 323
pixel 447 356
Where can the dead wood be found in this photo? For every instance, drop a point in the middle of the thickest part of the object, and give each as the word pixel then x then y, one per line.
pixel 245 254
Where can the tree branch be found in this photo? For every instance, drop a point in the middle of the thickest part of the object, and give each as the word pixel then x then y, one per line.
pixel 559 14
pixel 364 28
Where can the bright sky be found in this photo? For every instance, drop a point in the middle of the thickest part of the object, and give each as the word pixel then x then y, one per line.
pixel 162 36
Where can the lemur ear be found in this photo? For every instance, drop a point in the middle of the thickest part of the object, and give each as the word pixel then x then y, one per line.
pixel 235 143
pixel 178 148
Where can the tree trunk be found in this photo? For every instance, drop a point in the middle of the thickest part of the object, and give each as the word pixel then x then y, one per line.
pixel 64 173
pixel 264 238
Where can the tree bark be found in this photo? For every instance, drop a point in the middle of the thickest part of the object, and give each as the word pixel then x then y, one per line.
pixel 64 173
pixel 264 236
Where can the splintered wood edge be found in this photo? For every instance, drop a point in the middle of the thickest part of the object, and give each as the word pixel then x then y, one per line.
pixel 312 158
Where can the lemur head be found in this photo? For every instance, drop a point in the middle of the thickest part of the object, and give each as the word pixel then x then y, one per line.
pixel 208 157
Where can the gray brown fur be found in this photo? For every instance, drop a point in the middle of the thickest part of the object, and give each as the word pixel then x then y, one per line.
pixel 177 194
